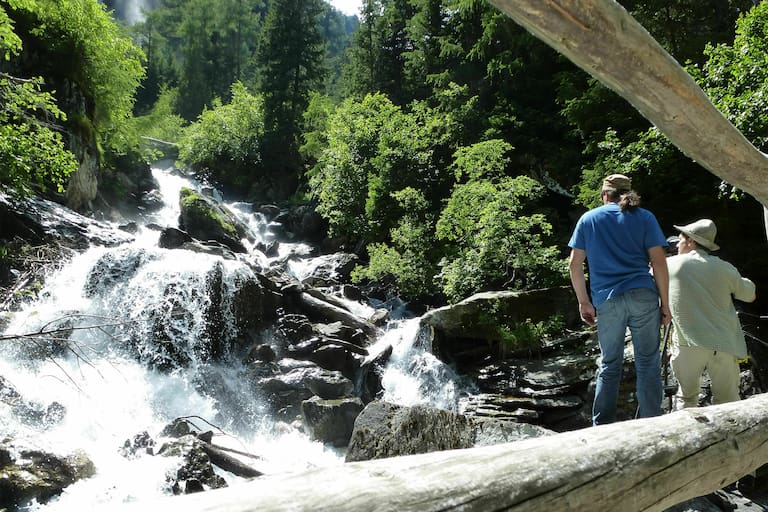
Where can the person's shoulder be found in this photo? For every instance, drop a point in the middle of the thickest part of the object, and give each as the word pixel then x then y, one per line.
pixel 675 260
pixel 715 259
pixel 592 212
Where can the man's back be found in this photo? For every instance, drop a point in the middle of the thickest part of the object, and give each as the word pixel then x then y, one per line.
pixel 617 246
pixel 701 292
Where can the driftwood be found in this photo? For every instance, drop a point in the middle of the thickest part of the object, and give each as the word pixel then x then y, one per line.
pixel 219 457
pixel 603 39
pixel 640 465
pixel 326 311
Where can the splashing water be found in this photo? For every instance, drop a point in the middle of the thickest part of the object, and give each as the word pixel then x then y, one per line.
pixel 105 339
pixel 413 375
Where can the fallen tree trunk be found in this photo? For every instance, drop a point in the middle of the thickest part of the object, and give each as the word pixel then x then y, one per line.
pixel 323 310
pixel 603 39
pixel 640 465
pixel 219 457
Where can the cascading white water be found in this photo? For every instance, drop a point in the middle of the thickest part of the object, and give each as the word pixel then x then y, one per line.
pixel 413 376
pixel 114 385
pixel 131 11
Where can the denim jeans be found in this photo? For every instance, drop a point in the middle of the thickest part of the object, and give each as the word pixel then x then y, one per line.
pixel 637 309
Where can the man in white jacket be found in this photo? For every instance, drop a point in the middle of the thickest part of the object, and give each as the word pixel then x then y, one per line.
pixel 707 333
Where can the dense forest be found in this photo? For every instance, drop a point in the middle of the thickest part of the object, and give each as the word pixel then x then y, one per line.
pixel 443 143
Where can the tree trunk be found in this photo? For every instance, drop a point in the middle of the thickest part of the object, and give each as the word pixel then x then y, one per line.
pixel 640 465
pixel 603 39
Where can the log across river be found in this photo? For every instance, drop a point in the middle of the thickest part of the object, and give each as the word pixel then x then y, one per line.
pixel 647 464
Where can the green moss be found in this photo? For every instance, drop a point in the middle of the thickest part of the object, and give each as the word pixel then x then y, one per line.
pixel 201 211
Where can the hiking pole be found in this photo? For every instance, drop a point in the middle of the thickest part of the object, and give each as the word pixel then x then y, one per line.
pixel 669 390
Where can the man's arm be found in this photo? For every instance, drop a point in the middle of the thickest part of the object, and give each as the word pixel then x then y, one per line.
pixel 661 274
pixel 579 282
pixel 745 290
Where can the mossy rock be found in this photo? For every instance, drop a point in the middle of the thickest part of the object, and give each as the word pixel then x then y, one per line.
pixel 204 219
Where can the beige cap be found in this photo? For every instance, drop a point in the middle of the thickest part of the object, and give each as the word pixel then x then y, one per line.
pixel 617 182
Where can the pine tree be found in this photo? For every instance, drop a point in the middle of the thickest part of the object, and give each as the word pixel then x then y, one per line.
pixel 291 64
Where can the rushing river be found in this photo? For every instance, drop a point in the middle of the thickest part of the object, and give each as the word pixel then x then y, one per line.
pixel 110 395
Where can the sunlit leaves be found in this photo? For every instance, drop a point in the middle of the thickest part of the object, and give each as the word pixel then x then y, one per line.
pixel 225 141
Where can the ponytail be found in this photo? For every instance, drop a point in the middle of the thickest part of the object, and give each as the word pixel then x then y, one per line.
pixel 629 201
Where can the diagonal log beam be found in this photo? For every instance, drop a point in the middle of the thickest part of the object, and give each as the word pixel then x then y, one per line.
pixel 603 39
pixel 641 465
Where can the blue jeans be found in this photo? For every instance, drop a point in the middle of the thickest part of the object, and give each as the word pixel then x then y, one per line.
pixel 637 309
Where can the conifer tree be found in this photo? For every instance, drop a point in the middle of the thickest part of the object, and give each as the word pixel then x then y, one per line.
pixel 290 61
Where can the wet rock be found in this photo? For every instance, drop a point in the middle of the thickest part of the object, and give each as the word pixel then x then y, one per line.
pixel 331 421
pixel 29 474
pixel 262 352
pixel 205 219
pixel 371 371
pixel 305 223
pixel 196 465
pixel 386 430
pixel 332 269
pixel 141 444
pixel 115 267
pixel 299 381
pixel 43 221
pixel 30 412
pixel 336 357
pixel 173 238
pixel 295 327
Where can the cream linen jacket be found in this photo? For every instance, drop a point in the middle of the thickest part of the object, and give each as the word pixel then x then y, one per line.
pixel 701 292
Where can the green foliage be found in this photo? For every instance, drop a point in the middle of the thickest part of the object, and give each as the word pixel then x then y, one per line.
pixel 376 57
pixel 492 240
pixel 31 154
pixel 648 152
pixel 315 125
pixel 10 42
pixel 685 27
pixel 482 161
pixel 291 64
pixel 340 180
pixel 736 76
pixel 31 151
pixel 86 45
pixel 530 335
pixel 161 123
pixel 224 144
pixel 199 48
pixel 409 261
pixel 381 157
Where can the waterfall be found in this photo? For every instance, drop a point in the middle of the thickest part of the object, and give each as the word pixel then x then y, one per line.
pixel 131 11
pixel 105 339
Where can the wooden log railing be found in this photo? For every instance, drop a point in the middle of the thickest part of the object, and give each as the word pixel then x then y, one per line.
pixel 603 39
pixel 640 465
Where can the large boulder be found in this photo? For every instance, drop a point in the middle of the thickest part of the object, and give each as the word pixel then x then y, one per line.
pixel 387 430
pixel 30 474
pixel 204 219
pixel 331 421
pixel 479 327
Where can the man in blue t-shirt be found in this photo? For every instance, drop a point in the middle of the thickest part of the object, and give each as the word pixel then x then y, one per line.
pixel 618 241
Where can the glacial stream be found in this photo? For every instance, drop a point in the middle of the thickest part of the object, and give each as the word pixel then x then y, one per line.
pixel 110 395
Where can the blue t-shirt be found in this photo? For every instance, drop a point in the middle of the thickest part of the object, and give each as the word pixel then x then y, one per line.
pixel 617 246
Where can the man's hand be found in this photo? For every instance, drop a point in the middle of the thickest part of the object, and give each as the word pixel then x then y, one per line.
pixel 666 316
pixel 587 313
